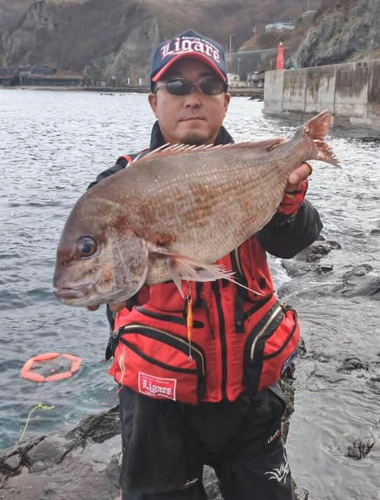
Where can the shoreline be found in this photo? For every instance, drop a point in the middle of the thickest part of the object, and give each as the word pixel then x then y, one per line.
pixel 251 92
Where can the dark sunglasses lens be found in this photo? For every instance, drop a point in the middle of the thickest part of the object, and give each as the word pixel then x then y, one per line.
pixel 212 86
pixel 179 87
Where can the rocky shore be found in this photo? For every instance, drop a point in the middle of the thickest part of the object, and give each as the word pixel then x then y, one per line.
pixel 84 463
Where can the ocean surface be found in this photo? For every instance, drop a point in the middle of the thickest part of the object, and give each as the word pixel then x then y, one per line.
pixel 52 145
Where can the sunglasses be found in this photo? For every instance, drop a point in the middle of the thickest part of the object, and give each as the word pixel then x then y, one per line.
pixel 181 87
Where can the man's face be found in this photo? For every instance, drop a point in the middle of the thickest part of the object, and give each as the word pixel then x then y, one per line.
pixel 191 119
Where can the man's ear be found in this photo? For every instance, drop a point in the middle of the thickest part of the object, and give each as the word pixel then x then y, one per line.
pixel 227 99
pixel 152 99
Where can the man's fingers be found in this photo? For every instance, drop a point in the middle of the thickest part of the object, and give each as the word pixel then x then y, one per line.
pixel 300 174
pixel 117 306
pixel 93 308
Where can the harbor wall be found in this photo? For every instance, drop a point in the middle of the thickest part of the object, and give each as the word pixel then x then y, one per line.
pixel 350 91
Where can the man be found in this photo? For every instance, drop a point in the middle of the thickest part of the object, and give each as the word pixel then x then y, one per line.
pixel 240 342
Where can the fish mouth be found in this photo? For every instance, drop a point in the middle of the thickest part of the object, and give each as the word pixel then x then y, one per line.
pixel 69 295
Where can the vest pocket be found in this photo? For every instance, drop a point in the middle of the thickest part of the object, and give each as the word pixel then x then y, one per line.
pixel 270 347
pixel 159 364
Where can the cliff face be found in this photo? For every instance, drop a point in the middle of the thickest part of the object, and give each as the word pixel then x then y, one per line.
pixel 344 32
pixel 102 39
pixel 11 11
pixel 115 38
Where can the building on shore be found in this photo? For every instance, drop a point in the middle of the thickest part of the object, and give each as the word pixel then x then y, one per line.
pixel 234 80
pixel 280 26
pixel 40 77
pixel 55 81
pixel 6 76
pixel 256 79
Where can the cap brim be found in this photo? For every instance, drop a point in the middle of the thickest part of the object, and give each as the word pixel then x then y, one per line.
pixel 190 55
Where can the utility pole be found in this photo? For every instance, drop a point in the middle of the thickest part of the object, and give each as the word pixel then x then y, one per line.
pixel 231 35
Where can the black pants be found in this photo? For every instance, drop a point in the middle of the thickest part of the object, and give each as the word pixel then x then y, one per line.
pixel 166 445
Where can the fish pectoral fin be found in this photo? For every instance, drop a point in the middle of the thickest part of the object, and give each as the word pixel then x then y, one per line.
pixel 192 270
pixel 182 268
pixel 185 268
pixel 188 269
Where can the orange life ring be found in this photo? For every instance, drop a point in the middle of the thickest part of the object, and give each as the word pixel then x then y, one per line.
pixel 48 356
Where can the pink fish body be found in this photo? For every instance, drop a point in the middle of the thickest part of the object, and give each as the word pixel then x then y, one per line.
pixel 173 213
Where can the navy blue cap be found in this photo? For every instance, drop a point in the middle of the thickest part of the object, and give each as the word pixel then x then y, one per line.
pixel 188 44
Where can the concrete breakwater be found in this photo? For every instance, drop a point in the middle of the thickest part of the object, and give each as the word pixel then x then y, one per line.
pixel 350 91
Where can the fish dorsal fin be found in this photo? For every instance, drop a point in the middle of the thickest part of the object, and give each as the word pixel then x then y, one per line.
pixel 176 149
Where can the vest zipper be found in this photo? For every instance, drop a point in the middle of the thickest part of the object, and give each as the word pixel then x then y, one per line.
pixel 223 342
pixel 264 329
pixel 133 327
pixel 279 351
pixel 167 317
pixel 155 361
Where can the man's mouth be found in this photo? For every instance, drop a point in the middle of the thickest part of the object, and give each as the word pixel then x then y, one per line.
pixel 192 118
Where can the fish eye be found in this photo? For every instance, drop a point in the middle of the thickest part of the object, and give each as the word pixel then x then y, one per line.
pixel 86 247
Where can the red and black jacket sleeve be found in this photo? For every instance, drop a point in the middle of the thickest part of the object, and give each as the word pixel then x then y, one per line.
pixel 286 235
pixel 121 163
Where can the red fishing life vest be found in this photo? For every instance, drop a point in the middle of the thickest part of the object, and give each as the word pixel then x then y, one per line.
pixel 240 340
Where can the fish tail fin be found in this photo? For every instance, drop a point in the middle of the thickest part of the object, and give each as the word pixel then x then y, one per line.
pixel 317 128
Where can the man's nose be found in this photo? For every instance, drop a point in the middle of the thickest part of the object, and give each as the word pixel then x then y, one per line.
pixel 194 98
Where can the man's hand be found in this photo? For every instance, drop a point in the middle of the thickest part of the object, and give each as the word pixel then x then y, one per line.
pixel 118 306
pixel 93 308
pixel 300 174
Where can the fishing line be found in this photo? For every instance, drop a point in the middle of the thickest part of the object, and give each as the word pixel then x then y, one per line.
pixel 40 405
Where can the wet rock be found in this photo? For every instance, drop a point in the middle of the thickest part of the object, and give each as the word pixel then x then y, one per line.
pixel 10 465
pixel 295 270
pixel 360 448
pixel 300 493
pixel 288 390
pixel 98 428
pixel 113 470
pixel 357 272
pixel 317 250
pixel 322 358
pixel 46 454
pixel 308 260
pixel 65 467
pixel 323 269
pixel 351 364
pixel 360 281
